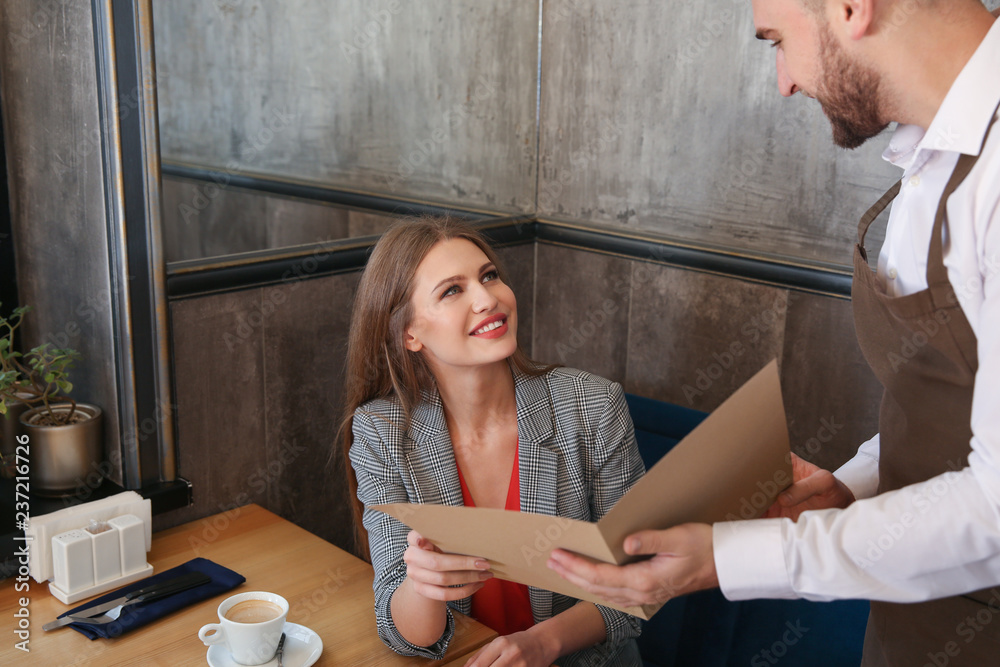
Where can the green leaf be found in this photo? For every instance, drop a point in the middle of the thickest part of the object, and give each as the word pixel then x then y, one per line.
pixel 50 377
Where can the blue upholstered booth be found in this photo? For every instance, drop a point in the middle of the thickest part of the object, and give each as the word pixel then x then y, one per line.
pixel 705 629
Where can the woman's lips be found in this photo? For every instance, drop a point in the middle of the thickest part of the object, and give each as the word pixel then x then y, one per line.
pixel 494 327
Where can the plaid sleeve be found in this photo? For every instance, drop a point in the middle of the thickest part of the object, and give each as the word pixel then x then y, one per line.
pixel 379 483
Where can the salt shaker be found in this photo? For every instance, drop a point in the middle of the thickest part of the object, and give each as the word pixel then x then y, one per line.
pixel 107 551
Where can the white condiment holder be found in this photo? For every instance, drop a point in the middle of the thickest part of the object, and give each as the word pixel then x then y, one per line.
pixel 81 563
pixel 88 561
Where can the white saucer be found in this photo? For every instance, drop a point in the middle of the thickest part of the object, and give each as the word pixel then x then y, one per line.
pixel 302 648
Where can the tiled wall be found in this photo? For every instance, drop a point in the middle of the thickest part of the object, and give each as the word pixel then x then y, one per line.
pixel 693 338
pixel 258 372
pixel 258 377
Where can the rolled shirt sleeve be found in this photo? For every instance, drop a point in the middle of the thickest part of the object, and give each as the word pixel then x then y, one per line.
pixel 860 474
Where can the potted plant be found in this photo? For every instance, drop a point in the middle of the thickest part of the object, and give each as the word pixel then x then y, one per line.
pixel 65 437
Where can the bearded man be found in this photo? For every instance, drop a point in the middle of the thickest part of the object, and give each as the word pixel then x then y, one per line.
pixel 913 521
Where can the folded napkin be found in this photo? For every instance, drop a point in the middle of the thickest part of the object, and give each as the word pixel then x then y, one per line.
pixel 137 615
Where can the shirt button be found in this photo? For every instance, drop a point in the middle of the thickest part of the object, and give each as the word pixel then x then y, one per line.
pixel 892 274
pixel 914 181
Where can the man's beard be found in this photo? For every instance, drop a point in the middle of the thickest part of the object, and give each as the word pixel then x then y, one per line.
pixel 849 94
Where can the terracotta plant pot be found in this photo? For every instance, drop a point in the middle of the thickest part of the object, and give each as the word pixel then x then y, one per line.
pixel 62 456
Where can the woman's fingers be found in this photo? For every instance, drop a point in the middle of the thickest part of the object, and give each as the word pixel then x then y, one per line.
pixel 444 577
pixel 436 561
pixel 415 539
pixel 445 593
pixel 454 576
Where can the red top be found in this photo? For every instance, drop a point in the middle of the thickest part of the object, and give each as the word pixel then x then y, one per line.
pixel 502 605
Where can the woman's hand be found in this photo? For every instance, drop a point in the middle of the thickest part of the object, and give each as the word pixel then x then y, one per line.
pixel 433 579
pixel 436 575
pixel 812 489
pixel 521 649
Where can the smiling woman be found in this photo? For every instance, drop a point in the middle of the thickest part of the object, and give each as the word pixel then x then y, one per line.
pixel 453 316
pixel 443 407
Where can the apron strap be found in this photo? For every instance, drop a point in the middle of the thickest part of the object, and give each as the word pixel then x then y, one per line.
pixel 937 273
pixel 869 217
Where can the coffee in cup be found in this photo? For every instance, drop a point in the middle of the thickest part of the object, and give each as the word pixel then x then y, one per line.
pixel 253 611
pixel 250 625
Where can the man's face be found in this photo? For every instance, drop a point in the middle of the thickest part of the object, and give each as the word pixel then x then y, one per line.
pixel 809 59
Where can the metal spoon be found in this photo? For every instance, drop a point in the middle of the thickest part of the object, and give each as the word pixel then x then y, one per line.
pixel 280 649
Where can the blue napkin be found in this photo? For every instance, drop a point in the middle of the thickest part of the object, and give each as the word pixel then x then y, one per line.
pixel 137 615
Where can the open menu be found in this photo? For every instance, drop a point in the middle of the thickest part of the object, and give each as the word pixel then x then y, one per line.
pixel 731 467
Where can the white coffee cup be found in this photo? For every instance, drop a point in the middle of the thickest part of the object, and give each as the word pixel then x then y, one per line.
pixel 250 625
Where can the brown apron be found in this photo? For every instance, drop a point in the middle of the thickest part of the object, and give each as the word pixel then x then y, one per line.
pixel 923 350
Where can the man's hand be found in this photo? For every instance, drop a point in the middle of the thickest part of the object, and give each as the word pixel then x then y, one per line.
pixel 682 563
pixel 812 489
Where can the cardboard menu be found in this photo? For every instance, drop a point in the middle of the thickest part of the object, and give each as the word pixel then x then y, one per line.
pixel 730 467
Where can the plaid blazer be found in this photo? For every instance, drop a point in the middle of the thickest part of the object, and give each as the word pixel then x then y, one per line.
pixel 578 456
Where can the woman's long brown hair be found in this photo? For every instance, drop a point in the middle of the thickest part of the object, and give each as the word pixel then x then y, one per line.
pixel 378 364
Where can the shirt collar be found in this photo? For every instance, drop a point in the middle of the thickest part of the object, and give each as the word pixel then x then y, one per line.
pixel 961 122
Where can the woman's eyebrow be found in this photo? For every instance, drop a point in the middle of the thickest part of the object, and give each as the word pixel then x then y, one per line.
pixel 447 280
pixel 453 279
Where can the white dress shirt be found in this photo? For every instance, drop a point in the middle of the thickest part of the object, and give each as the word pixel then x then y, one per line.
pixel 940 537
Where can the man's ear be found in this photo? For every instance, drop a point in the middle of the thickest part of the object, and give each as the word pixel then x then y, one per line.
pixel 411 343
pixel 853 18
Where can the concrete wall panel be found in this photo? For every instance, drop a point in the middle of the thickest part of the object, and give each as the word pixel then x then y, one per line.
pixel 432 100
pixel 666 117
pixel 56 179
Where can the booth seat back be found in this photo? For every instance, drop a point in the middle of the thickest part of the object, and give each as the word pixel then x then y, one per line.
pixel 706 630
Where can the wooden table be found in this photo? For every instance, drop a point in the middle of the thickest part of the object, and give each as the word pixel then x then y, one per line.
pixel 328 590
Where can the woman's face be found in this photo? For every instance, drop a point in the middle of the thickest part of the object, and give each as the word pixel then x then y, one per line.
pixel 463 314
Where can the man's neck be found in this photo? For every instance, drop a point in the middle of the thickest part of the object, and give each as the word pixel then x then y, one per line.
pixel 923 57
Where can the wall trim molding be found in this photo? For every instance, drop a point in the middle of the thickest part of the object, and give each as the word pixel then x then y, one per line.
pixel 369 201
pixel 271 267
pixel 830 281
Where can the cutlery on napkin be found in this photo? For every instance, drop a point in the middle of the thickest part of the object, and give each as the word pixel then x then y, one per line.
pixel 132 617
pixel 146 594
